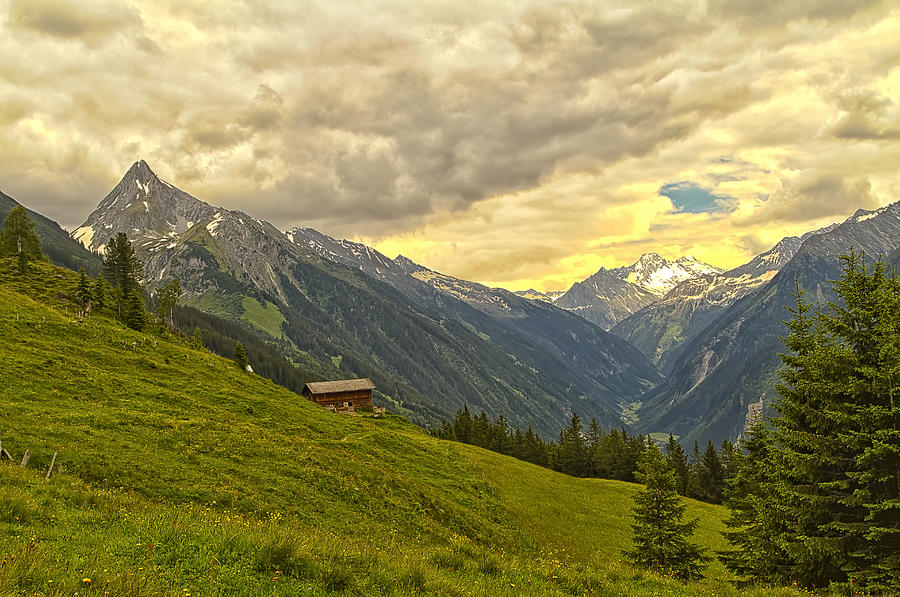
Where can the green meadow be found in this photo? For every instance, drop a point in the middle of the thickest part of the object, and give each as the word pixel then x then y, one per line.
pixel 179 474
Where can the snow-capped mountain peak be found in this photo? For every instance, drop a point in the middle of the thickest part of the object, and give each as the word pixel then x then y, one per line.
pixel 537 295
pixel 142 203
pixel 658 275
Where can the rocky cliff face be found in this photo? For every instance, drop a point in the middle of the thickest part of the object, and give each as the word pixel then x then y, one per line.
pixel 605 299
pixel 144 206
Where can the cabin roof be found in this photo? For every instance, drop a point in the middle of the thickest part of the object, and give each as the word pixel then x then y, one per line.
pixel 343 385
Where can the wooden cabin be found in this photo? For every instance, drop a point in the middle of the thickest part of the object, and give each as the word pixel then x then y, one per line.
pixel 343 395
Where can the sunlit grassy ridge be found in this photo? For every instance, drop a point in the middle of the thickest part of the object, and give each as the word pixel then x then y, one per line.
pixel 184 474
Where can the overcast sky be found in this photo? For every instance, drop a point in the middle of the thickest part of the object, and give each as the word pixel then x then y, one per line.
pixel 520 144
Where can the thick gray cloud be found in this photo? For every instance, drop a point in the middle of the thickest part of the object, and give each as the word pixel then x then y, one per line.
pixel 868 116
pixel 816 196
pixel 375 119
pixel 768 13
pixel 87 21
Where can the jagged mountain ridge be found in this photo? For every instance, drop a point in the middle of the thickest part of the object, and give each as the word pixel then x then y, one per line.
pixel 611 295
pixel 143 203
pixel 661 329
pixel 727 372
pixel 605 299
pixel 657 275
pixel 537 295
pixel 427 360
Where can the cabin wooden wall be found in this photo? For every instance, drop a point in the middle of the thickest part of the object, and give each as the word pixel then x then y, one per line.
pixel 359 398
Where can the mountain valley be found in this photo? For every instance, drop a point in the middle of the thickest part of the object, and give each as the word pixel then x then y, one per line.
pixel 430 343
pixel 679 332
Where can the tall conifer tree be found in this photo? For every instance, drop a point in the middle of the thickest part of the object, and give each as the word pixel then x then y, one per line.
pixel 660 535
pixel 122 268
pixel 838 429
pixel 677 459
pixel 756 524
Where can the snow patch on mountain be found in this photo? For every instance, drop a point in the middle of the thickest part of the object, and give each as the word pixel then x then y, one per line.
pixel 84 235
pixel 658 275
pixel 213 225
pixel 537 295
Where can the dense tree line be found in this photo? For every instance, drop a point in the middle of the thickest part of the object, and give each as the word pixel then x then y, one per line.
pixel 593 452
pixel 815 498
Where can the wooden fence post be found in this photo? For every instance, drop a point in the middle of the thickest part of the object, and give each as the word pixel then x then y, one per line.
pixel 52 462
pixel 25 458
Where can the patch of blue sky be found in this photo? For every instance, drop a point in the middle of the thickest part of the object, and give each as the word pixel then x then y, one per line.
pixel 689 197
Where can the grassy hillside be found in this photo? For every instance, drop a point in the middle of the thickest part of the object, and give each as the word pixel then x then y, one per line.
pixel 183 475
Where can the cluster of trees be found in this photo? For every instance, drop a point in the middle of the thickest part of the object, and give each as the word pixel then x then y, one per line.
pixel 814 494
pixel 123 271
pixel 119 285
pixel 18 238
pixel 221 336
pixel 593 452
pixel 815 498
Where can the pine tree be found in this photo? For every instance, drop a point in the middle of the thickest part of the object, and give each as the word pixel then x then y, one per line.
pixel 660 537
pixel 711 475
pixel 693 487
pixel 634 449
pixel 571 458
pixel 462 425
pixel 18 238
pixel 839 428
pixel 121 268
pixel 481 430
pixel 134 311
pixel 610 462
pixel 197 338
pixel 499 437
pixel 84 292
pixel 756 524
pixel 594 443
pixel 166 298
pixel 726 454
pixel 240 357
pixel 535 448
pixel 518 444
pixel 677 459
pixel 100 293
pixel 804 430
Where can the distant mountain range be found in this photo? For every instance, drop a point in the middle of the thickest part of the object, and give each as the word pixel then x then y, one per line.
pixel 726 371
pixel 691 349
pixel 663 327
pixel 430 342
pixel 610 295
pixel 714 335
